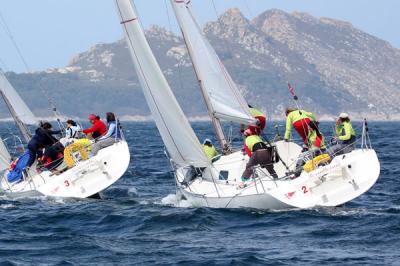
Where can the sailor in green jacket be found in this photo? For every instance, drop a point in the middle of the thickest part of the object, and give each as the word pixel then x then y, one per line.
pixel 259 154
pixel 209 149
pixel 316 146
pixel 300 120
pixel 345 136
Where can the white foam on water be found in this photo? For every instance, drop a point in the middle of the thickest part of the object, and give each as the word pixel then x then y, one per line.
pixel 144 202
pixel 7 206
pixel 176 201
pixel 132 191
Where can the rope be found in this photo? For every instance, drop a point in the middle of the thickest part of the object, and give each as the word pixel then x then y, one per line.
pixel 180 63
pixel 10 35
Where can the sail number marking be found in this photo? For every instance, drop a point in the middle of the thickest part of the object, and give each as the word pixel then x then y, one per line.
pixel 304 188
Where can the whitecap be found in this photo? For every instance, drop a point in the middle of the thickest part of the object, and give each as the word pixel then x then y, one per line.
pixel 7 206
pixel 175 200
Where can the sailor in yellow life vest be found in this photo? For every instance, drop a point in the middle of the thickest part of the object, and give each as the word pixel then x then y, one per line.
pixel 261 121
pixel 316 146
pixel 345 136
pixel 259 154
pixel 300 120
pixel 209 149
pixel 315 139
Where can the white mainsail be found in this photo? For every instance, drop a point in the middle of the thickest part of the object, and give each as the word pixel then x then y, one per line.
pixel 176 132
pixel 225 100
pixel 5 157
pixel 21 110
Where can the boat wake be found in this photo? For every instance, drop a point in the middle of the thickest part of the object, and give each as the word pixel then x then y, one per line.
pixel 175 200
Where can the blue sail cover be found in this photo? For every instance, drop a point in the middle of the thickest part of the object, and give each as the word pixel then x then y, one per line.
pixel 16 174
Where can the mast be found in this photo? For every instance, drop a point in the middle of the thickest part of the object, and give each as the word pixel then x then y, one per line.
pixel 215 121
pixel 21 126
pixel 220 93
pixel 178 136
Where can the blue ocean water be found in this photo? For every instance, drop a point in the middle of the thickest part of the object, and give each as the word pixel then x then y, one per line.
pixel 138 221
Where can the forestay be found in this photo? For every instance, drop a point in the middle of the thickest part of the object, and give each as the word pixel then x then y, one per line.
pixel 176 132
pixel 5 157
pixel 22 111
pixel 219 89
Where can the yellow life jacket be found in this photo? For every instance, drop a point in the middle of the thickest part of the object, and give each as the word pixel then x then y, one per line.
pixel 345 131
pixel 295 116
pixel 312 139
pixel 253 140
pixel 210 152
pixel 255 113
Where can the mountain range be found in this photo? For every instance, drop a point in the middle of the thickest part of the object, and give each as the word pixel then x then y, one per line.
pixel 333 66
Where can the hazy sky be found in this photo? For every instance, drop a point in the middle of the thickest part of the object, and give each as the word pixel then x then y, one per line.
pixel 50 32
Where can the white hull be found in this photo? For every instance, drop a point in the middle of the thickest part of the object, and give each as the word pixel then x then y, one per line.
pixel 344 179
pixel 86 179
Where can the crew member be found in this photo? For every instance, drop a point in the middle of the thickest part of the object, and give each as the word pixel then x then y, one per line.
pixel 316 146
pixel 42 138
pixel 73 130
pixel 113 135
pixel 259 155
pixel 260 124
pixel 98 128
pixel 300 120
pixel 51 158
pixel 315 139
pixel 345 136
pixel 209 149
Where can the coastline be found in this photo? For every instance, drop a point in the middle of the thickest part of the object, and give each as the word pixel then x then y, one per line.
pixel 205 118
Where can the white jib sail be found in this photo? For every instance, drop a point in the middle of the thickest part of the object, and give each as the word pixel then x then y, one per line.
pixel 5 157
pixel 22 111
pixel 222 92
pixel 175 130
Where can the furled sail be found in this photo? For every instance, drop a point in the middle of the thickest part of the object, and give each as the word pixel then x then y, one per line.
pixel 176 132
pixel 225 100
pixel 20 112
pixel 5 157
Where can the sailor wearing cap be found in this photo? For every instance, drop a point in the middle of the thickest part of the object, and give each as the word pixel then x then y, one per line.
pixel 209 149
pixel 345 136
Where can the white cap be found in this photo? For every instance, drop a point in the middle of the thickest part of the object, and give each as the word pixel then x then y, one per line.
pixel 344 115
pixel 207 141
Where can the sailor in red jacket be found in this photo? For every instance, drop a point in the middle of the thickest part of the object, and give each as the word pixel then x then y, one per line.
pixel 98 128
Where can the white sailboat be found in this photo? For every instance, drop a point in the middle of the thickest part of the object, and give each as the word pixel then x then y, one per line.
pixel 85 179
pixel 208 184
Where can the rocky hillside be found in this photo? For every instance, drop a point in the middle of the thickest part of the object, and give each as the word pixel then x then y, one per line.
pixel 334 67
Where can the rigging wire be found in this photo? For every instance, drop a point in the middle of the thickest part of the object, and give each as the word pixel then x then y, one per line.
pixel 181 60
pixel 10 35
pixel 227 44
pixel 53 108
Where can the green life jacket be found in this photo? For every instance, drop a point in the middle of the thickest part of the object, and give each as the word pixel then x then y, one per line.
pixel 253 140
pixel 345 132
pixel 295 116
pixel 312 140
pixel 255 113
pixel 210 152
